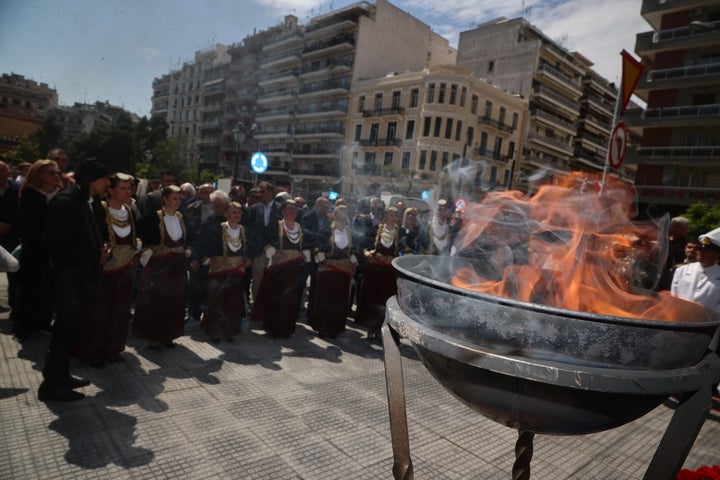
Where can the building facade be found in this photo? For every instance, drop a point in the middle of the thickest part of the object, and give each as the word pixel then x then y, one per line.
pixel 678 159
pixel 571 106
pixel 24 104
pixel 439 126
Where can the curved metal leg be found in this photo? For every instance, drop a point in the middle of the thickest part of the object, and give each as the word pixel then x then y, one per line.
pixel 523 455
pixel 402 465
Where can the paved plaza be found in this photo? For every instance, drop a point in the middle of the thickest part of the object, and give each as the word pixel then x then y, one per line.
pixel 265 408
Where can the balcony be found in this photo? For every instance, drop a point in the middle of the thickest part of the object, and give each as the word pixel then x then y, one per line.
pixel 320 131
pixel 554 121
pixel 680 77
pixel 330 87
pixel 547 95
pixel 311 111
pixel 676 195
pixel 553 143
pixel 546 71
pixel 373 170
pixel 503 127
pixel 649 43
pixel 213 108
pixel 319 30
pixel 590 120
pixel 284 40
pixel 590 141
pixel 484 153
pixel 275 61
pixel 324 150
pixel 332 46
pixel 214 124
pixel 381 112
pixel 278 96
pixel 379 142
pixel 285 76
pixel 687 115
pixel 689 156
pixel 273 114
pixel 318 170
pixel 208 142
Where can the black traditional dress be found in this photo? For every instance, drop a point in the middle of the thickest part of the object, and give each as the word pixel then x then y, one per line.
pixel 378 282
pixel 162 292
pixel 331 301
pixel 276 303
pixel 225 298
pixel 106 327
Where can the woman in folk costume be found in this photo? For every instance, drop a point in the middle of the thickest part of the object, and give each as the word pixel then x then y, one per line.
pixel 439 231
pixel 378 280
pixel 412 234
pixel 225 247
pixel 336 267
pixel 162 292
pixel 276 303
pixel 106 327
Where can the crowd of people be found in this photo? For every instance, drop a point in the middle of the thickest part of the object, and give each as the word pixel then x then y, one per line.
pixel 98 264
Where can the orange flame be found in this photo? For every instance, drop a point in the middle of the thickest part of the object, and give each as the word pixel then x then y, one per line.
pixel 569 246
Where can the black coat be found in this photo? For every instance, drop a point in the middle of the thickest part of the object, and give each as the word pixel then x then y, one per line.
pixel 266 234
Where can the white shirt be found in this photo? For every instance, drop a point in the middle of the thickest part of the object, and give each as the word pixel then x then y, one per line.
pixel 699 284
pixel 172 227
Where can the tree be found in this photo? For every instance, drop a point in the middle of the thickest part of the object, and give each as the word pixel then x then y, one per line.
pixel 26 151
pixel 703 218
pixel 48 136
pixel 112 144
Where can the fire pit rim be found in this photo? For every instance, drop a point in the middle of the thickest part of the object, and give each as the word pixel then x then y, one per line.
pixel 643 381
pixel 537 307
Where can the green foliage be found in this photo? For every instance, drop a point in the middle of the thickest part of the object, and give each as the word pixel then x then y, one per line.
pixel 26 151
pixel 208 176
pixel 703 218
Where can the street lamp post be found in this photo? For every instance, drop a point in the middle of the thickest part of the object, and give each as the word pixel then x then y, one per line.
pixel 239 133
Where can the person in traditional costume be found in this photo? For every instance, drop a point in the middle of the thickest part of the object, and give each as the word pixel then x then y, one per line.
pixel 412 234
pixel 276 302
pixel 106 327
pixel 438 230
pixel 162 292
pixel 76 240
pixel 336 266
pixel 224 248
pixel 378 281
pixel 32 309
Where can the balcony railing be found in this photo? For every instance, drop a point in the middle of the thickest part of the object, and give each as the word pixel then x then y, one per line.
pixel 558 75
pixel 555 120
pixel 484 119
pixel 678 193
pixel 379 142
pixel 339 40
pixel 310 109
pixel 324 86
pixel 680 33
pixel 328 171
pixel 368 170
pixel 381 112
pixel 317 130
pixel 485 153
pixel 550 141
pixel 711 110
pixel 693 71
pixel 691 152
pixel 559 99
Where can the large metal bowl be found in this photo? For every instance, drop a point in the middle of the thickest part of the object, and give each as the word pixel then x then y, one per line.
pixel 541 369
pixel 532 331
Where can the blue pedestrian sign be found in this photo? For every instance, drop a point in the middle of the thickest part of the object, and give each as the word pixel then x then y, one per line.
pixel 258 162
pixel 425 195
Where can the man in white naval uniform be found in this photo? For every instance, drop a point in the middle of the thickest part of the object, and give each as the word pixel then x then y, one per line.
pixel 700 282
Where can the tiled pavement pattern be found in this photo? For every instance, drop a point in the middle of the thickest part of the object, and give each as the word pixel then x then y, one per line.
pixel 261 408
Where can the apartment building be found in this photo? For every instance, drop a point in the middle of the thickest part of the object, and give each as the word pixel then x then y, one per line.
pixel 678 159
pixel 437 126
pixel 81 118
pixel 306 73
pixel 179 97
pixel 570 105
pixel 24 104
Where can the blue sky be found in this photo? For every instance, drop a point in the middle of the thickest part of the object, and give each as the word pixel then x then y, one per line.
pixel 111 50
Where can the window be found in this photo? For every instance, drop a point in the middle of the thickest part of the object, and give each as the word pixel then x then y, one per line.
pixel 474 100
pixel 497 148
pixel 426 127
pixel 515 121
pixel 448 128
pixel 493 175
pixel 423 159
pixel 488 109
pixel 374 133
pixel 438 124
pixel 405 160
pixel 511 150
pixel 358 133
pixel 463 95
pixel 506 181
pixel 491 66
pixel 391 132
pixel 369 162
pixel 445 159
pixel 361 103
pixel 433 160
pixel 458 130
pixel 441 94
pixel 431 93
pixel 470 136
pixel 414 94
pixel 388 158
pixel 409 129
pixel 453 94
pixel 482 149
pixel 355 160
pixel 396 101
pixel 501 118
pixel 378 104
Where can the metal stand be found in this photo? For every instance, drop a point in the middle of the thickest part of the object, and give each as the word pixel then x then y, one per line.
pixel 693 385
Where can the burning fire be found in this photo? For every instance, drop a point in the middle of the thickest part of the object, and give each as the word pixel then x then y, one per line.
pixel 570 246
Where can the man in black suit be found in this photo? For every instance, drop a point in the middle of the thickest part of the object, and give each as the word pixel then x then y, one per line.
pixel 264 218
pixel 152 202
